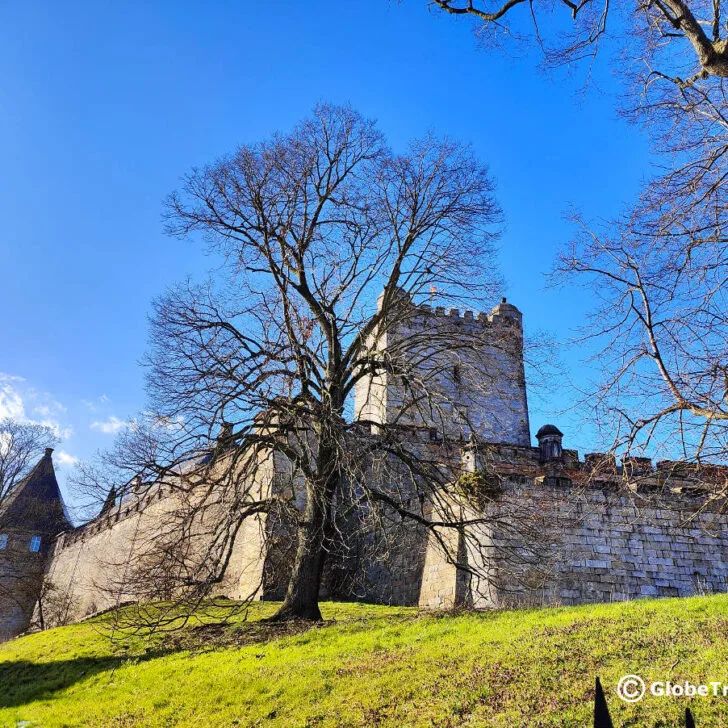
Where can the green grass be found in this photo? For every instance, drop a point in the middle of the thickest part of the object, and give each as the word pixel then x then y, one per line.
pixel 376 666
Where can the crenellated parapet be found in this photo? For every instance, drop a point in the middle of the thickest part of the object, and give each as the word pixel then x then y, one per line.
pixel 504 314
pixel 132 505
pixel 459 372
pixel 551 464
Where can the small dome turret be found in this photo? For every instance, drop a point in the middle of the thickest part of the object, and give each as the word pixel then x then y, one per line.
pixel 549 430
pixel 549 443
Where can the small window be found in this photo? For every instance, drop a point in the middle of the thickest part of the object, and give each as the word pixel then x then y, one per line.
pixel 3 540
pixel 35 543
pixel 457 378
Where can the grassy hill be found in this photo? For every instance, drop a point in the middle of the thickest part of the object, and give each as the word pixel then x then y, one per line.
pixel 375 666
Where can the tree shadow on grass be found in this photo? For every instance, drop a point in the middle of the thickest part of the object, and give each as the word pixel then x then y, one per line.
pixel 23 682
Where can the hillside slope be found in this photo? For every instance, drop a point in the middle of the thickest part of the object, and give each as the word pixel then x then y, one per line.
pixel 376 666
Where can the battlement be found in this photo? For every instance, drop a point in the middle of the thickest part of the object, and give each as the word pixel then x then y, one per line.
pixel 503 314
pixel 642 467
pixel 130 505
pixel 559 467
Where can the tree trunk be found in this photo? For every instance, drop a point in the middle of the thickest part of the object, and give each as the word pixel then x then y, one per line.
pixel 302 596
pixel 314 536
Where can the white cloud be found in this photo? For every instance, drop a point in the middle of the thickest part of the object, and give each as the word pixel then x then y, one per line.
pixel 50 407
pixel 58 430
pixel 15 399
pixel 109 426
pixel 11 403
pixel 64 458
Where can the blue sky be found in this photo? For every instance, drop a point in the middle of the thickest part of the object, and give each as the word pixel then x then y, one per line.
pixel 104 105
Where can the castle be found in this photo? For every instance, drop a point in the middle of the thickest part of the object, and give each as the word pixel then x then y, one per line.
pixel 560 531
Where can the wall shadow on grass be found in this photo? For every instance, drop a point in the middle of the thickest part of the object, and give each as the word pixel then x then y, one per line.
pixel 23 682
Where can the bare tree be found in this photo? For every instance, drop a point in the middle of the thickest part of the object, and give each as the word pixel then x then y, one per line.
pixel 669 33
pixel 21 446
pixel 659 271
pixel 662 325
pixel 333 247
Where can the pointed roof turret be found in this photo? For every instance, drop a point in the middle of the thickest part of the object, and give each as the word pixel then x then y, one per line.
pixel 35 503
pixel 109 503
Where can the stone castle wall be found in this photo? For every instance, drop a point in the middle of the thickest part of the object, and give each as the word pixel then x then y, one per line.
pixel 92 568
pixel 549 539
pixel 577 544
pixel 88 566
pixel 612 545
pixel 95 567
pixel 554 531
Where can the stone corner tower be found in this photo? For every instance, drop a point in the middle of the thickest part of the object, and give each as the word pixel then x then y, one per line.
pixel 32 514
pixel 460 374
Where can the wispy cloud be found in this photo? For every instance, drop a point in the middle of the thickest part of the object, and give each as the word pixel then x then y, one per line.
pixel 16 398
pixel 11 403
pixel 64 458
pixel 50 409
pixel 62 432
pixel 94 405
pixel 108 426
pixel 5 377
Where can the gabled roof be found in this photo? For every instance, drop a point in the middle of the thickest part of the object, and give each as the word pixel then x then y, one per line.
pixel 35 503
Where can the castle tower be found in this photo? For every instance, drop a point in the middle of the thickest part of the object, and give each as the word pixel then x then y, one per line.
pixel 31 516
pixel 460 375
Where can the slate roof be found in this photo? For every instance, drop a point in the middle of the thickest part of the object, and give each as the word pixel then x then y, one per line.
pixel 109 503
pixel 35 503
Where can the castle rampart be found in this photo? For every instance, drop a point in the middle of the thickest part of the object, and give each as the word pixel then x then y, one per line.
pixel 547 527
pixel 584 532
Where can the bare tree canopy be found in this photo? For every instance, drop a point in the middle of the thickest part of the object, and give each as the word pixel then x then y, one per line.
pixel 332 244
pixel 21 446
pixel 662 327
pixel 673 34
pixel 659 270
